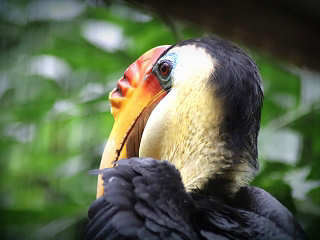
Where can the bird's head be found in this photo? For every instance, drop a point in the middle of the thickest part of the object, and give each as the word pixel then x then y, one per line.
pixel 196 104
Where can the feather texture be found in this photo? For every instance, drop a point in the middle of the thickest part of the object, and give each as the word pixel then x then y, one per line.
pixel 145 199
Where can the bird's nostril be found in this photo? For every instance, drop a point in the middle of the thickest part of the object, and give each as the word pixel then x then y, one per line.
pixel 118 90
pixel 125 79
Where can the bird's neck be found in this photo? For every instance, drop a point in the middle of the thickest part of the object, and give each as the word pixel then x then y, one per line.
pixel 200 150
pixel 185 129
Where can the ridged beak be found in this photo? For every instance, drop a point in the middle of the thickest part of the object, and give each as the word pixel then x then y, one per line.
pixel 137 90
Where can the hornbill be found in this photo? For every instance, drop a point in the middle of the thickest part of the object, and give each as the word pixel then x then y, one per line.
pixel 183 150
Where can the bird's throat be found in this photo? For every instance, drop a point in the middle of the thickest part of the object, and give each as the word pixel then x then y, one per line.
pixel 185 129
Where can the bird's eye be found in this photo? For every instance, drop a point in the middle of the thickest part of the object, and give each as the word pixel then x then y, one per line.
pixel 165 68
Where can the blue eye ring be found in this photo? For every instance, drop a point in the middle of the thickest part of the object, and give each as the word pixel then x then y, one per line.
pixel 164 68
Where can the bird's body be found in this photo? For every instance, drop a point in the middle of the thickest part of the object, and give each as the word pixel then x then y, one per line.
pixel 200 111
pixel 146 199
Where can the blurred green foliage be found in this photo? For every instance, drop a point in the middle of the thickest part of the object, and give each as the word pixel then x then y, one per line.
pixel 59 60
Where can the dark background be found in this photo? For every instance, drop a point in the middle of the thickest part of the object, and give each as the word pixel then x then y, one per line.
pixel 59 60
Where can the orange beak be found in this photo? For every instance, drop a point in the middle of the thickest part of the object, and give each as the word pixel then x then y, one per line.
pixel 136 91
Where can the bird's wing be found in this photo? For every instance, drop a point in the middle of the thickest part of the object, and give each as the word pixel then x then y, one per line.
pixel 224 222
pixel 143 199
pixel 258 201
pixel 251 214
pixel 146 199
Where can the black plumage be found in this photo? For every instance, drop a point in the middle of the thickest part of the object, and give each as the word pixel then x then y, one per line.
pixel 146 199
